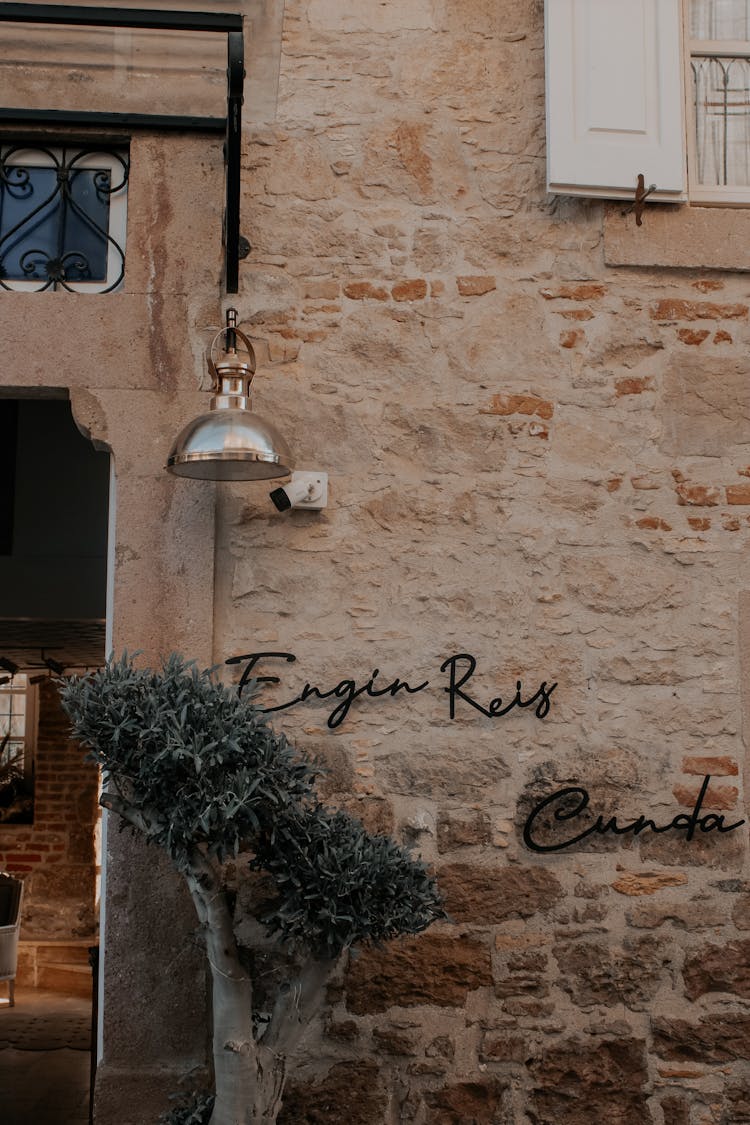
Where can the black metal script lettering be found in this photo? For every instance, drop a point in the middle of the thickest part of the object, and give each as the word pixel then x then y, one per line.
pixel 557 805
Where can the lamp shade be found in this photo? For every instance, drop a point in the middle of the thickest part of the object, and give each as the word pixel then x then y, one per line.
pixel 230 441
pixel 229 444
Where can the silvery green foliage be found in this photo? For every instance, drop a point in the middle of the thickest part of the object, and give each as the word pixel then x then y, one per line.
pixel 204 770
pixel 193 1109
pixel 199 762
pixel 337 885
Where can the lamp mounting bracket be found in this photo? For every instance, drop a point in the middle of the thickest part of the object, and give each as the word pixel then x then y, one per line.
pixel 221 23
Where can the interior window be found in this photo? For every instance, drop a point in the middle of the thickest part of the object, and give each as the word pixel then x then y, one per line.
pixel 720 68
pixel 16 745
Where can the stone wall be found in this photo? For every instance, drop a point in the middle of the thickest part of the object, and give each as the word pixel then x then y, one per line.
pixel 538 439
pixel 55 855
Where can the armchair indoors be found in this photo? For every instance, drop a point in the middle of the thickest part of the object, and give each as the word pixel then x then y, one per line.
pixel 11 894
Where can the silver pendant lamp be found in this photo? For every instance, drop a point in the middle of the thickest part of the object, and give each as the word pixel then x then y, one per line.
pixel 230 441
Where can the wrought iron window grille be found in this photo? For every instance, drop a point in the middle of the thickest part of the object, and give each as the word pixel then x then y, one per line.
pixel 62 217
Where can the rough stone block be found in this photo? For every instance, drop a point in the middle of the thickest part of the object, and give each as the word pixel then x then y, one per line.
pixel 647 882
pixel 593 974
pixel 350 1094
pixel 716 1038
pixel 435 968
pixel 459 830
pixel 609 1078
pixel 705 407
pixel 488 895
pixel 673 308
pixel 463 1102
pixel 718 968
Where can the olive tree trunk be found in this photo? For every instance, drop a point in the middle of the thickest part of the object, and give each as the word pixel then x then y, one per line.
pixel 249 1074
pixel 249 1077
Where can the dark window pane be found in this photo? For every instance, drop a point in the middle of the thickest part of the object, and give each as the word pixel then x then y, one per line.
pixel 51 225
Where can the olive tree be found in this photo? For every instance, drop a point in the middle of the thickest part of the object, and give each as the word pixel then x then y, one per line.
pixel 196 770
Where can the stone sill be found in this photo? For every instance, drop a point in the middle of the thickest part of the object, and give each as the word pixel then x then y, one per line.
pixel 679 236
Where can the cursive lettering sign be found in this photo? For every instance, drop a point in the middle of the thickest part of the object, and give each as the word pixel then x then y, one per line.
pixel 460 669
pixel 496 708
pixel 570 804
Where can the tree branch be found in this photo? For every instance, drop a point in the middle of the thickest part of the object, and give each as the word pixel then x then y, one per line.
pixel 134 816
pixel 296 1004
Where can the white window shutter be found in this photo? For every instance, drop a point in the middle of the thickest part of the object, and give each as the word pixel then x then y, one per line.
pixel 615 103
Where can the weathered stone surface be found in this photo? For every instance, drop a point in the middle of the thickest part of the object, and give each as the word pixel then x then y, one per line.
pixel 609 584
pixel 349 1094
pixel 647 882
pixel 702 765
pixel 737 1101
pixel 437 774
pixel 582 291
pixel 716 796
pixel 300 168
pixel 505 1048
pixel 738 494
pixel 463 1102
pixel 698 495
pixel 410 290
pixel 346 1030
pixel 507 404
pixel 459 830
pixel 706 408
pixel 718 968
pixel 487 895
pixel 431 969
pixel 368 16
pixel 676 309
pixel 608 1078
pixel 676 1110
pixel 693 336
pixel 700 238
pixel 705 849
pixel 393 1042
pixel 594 974
pixel 633 385
pixel 441 1047
pixel 657 913
pixel 375 813
pixel 362 290
pixel 741 913
pixel 475 286
pixel 714 1039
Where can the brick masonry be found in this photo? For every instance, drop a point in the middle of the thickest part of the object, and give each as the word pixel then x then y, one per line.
pixel 55 855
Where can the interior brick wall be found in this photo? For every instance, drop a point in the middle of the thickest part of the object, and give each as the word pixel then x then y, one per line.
pixel 55 855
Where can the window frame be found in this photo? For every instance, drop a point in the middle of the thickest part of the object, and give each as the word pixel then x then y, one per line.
pixel 30 692
pixel 727 195
pixel 114 159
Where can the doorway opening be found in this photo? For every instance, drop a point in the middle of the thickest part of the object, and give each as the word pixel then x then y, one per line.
pixel 54 512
